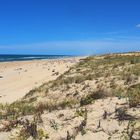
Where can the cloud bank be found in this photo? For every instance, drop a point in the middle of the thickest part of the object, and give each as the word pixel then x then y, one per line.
pixel 74 47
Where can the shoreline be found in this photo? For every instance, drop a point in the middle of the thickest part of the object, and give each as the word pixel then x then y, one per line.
pixel 40 59
pixel 17 78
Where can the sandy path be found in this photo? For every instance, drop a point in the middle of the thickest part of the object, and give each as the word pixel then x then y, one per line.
pixel 17 78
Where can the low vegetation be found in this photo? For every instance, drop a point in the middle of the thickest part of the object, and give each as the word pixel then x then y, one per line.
pixel 97 77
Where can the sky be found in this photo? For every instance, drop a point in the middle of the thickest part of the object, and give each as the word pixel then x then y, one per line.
pixel 69 27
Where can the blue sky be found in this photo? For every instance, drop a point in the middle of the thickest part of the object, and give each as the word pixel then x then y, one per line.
pixel 75 27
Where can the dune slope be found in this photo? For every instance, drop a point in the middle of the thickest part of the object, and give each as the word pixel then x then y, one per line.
pixel 98 98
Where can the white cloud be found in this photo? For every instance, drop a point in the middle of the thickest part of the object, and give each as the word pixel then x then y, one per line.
pixel 138 25
pixel 75 47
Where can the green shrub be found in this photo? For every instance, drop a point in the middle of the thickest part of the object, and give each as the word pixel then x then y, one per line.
pixel 90 98
pixel 86 100
pixel 134 95
pixel 80 112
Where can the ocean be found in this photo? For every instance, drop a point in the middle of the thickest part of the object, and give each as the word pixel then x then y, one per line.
pixel 7 57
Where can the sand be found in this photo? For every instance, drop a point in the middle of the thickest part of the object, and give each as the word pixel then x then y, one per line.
pixel 19 77
pixel 103 119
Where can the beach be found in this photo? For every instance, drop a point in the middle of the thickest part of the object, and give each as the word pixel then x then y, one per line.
pixel 19 77
pixel 98 98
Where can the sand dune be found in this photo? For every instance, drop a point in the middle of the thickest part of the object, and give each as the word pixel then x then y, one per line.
pixel 98 98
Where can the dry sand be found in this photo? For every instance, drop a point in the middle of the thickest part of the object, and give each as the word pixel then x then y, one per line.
pixel 18 78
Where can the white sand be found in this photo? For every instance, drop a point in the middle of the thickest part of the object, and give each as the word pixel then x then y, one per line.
pixel 18 78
